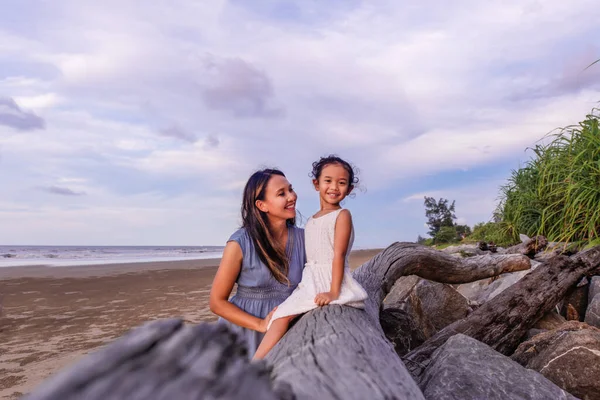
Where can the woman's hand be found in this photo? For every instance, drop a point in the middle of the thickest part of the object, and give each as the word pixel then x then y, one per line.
pixel 262 326
pixel 322 299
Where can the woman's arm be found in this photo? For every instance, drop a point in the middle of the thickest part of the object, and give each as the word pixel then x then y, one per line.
pixel 228 271
pixel 341 239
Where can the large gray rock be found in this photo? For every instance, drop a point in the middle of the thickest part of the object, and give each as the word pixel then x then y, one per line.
pixel 431 305
pixel 592 314
pixel 401 330
pixel 594 288
pixel 486 289
pixel 464 368
pixel 569 356
pixel 400 291
pixel 473 291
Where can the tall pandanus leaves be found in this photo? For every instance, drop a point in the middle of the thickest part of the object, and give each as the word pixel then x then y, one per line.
pixel 557 192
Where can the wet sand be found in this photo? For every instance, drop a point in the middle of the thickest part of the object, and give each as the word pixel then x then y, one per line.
pixel 52 316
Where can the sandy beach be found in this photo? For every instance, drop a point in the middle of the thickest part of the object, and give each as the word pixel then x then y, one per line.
pixel 51 317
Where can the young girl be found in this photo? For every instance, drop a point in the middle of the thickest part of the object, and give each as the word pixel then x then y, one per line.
pixel 329 236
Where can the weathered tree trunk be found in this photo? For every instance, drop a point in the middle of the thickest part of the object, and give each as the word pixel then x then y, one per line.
pixel 166 360
pixel 331 352
pixel 342 352
pixel 503 321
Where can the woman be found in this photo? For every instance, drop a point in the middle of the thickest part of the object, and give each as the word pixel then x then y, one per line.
pixel 265 258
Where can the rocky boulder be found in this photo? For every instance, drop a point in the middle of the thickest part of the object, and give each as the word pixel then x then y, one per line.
pixel 594 288
pixel 400 291
pixel 431 305
pixel 400 329
pixel 569 356
pixel 464 368
pixel 592 314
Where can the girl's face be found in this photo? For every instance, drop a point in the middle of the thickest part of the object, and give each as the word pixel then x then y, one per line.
pixel 280 199
pixel 333 185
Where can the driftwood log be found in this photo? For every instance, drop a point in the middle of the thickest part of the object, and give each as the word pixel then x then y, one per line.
pixel 341 352
pixel 503 321
pixel 167 360
pixel 331 352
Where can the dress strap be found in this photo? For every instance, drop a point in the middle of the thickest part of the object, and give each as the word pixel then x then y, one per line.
pixel 336 212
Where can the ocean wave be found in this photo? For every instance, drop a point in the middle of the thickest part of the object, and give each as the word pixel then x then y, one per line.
pixel 86 255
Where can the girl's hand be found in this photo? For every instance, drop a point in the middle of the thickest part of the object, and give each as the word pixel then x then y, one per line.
pixel 322 299
pixel 262 327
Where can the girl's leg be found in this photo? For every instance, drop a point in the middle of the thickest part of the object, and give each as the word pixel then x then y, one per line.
pixel 278 328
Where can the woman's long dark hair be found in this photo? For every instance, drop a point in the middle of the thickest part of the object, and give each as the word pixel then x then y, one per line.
pixel 257 225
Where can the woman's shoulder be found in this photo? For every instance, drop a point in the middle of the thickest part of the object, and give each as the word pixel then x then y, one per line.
pixel 241 236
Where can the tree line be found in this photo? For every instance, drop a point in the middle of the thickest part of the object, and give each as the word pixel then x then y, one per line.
pixel 555 194
pixel 441 222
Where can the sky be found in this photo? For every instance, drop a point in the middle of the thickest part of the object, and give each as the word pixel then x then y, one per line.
pixel 138 123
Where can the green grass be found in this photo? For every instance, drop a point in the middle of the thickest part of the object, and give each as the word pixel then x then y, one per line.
pixel 497 232
pixel 557 192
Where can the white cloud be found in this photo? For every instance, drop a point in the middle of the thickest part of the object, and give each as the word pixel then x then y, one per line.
pixel 402 90
pixel 46 100
pixel 501 136
pixel 13 116
pixel 183 161
pixel 144 220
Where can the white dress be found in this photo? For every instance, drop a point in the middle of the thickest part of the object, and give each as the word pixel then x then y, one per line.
pixel 317 273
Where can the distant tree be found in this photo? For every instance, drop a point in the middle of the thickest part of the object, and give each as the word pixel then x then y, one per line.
pixel 462 231
pixel 446 234
pixel 438 214
pixel 421 239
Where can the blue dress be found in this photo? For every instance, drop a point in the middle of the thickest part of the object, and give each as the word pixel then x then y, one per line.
pixel 258 292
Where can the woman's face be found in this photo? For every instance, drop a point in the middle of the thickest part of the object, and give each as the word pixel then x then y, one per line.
pixel 280 199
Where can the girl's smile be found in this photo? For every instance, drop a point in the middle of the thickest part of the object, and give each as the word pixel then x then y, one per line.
pixel 333 185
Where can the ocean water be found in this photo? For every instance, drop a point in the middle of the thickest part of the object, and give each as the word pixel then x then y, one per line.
pixel 58 256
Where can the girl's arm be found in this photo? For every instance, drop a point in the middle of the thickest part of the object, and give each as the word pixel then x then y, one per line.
pixel 227 274
pixel 341 239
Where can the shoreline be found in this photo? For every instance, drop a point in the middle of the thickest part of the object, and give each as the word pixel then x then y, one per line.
pixel 357 258
pixel 51 317
pixel 94 270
